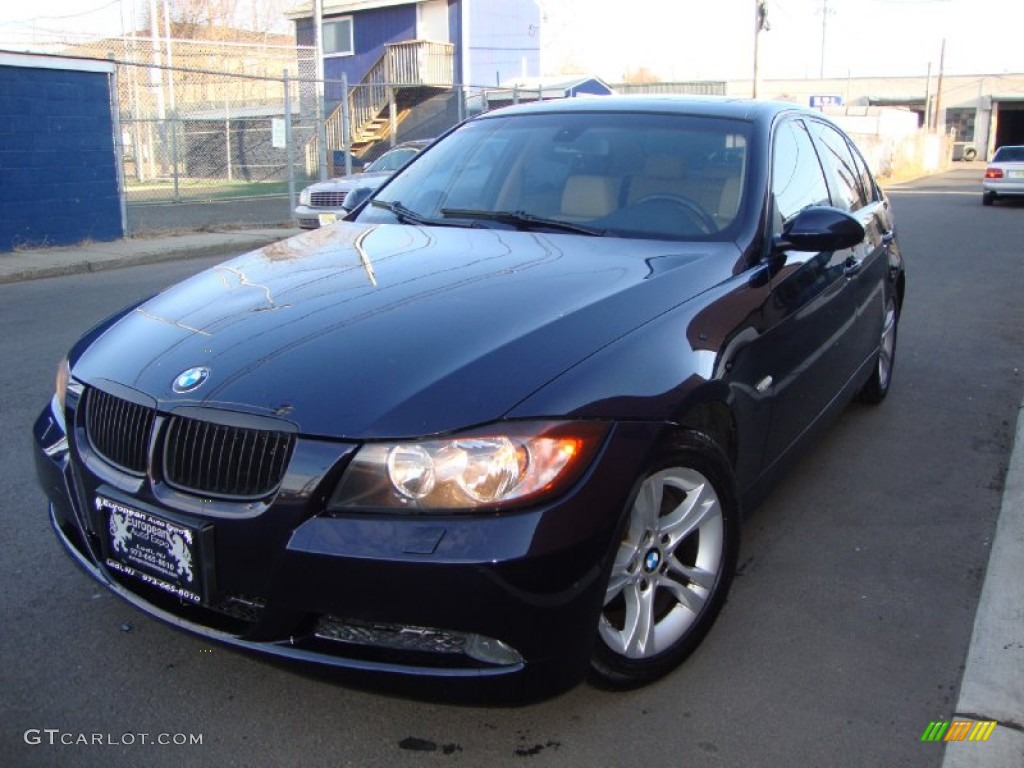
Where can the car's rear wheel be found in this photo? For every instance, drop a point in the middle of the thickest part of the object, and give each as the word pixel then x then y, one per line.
pixel 877 386
pixel 987 198
pixel 672 567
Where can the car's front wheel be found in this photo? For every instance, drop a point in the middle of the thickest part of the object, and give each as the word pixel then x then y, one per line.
pixel 672 567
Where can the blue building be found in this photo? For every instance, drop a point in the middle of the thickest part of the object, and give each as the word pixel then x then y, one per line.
pixel 398 54
pixel 60 169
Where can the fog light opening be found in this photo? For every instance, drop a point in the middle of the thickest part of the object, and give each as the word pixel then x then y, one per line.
pixel 491 651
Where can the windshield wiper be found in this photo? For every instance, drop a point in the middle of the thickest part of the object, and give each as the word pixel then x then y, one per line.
pixel 523 220
pixel 407 215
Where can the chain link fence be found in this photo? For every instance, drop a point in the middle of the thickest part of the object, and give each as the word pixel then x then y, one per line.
pixel 241 121
pixel 209 121
pixel 206 119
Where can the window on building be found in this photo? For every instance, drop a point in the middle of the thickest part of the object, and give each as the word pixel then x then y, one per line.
pixel 338 37
pixel 962 121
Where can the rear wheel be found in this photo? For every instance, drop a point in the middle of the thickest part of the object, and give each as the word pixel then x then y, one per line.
pixel 987 198
pixel 877 387
pixel 673 566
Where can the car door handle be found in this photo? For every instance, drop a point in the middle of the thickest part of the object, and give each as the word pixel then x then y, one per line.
pixel 852 266
pixel 888 236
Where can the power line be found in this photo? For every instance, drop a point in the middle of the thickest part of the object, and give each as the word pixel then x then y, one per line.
pixel 66 16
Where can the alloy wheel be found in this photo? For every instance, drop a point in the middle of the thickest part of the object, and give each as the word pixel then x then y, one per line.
pixel 666 566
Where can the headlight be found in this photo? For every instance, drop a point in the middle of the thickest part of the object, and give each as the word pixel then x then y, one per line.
pixel 61 386
pixel 304 196
pixel 506 463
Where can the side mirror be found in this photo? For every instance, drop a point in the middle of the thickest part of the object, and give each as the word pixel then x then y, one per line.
pixel 356 197
pixel 819 228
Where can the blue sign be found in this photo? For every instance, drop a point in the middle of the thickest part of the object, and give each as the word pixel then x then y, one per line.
pixel 820 100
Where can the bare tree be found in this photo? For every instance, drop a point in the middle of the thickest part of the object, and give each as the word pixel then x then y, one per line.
pixel 640 76
pixel 199 18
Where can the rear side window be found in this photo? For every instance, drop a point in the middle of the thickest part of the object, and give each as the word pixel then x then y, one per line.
pixel 841 167
pixel 797 178
pixel 1009 155
pixel 866 179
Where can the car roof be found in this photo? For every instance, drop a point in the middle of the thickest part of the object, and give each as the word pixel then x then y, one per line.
pixel 704 106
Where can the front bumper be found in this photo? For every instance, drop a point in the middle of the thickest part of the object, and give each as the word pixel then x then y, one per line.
pixel 385 599
pixel 308 217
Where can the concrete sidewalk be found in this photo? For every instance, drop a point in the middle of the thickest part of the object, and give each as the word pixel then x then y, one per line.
pixel 992 687
pixel 36 263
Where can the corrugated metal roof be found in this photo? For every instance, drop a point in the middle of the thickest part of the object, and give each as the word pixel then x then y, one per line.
pixel 48 61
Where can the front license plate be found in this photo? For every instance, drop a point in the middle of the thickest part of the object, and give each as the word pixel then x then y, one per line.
pixel 328 218
pixel 157 551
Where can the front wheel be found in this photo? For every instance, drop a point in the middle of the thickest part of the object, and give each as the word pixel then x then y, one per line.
pixel 672 567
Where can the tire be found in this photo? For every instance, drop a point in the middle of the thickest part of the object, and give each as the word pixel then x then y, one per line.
pixel 673 566
pixel 987 198
pixel 877 386
pixel 970 154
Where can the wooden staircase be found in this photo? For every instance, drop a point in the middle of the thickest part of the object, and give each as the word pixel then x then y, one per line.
pixel 405 73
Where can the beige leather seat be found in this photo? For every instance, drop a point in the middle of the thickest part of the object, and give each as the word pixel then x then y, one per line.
pixel 589 197
pixel 729 202
pixel 663 175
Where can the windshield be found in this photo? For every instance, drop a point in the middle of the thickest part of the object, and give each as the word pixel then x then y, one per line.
pixel 614 174
pixel 392 160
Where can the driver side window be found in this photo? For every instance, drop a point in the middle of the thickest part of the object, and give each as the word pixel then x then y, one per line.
pixel 797 179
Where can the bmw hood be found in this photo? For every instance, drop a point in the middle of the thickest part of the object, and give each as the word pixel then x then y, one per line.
pixel 359 332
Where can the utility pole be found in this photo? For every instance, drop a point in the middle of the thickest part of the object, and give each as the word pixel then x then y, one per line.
pixel 760 23
pixel 824 27
pixel 156 75
pixel 321 115
pixel 170 63
pixel 928 100
pixel 938 88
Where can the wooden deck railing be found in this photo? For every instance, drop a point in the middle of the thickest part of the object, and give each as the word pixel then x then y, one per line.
pixel 413 63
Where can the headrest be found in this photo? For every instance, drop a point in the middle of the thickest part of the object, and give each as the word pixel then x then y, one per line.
pixel 664 166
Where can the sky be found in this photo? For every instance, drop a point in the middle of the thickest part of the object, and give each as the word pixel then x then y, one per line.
pixel 694 39
pixel 713 39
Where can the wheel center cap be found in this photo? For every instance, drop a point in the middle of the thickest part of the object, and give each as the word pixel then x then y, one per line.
pixel 652 560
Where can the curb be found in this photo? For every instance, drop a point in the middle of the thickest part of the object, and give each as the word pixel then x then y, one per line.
pixel 992 687
pixel 71 261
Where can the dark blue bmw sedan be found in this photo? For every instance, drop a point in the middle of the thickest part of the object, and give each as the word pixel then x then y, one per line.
pixel 498 428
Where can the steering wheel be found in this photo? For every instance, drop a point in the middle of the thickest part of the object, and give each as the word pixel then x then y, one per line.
pixel 691 208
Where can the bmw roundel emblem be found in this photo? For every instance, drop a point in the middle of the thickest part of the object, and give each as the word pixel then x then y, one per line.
pixel 190 380
pixel 652 560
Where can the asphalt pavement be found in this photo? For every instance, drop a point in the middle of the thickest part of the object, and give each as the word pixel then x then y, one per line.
pixel 992 687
